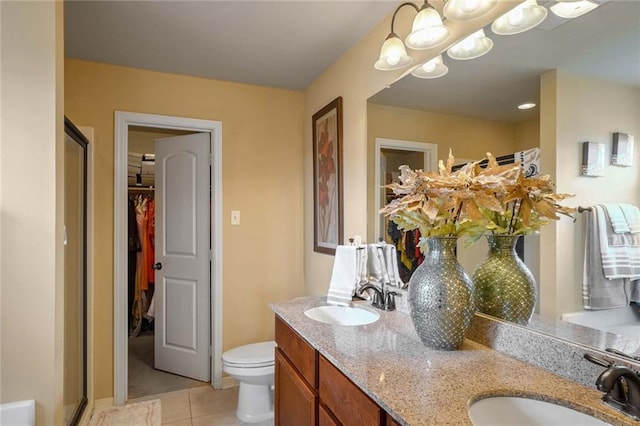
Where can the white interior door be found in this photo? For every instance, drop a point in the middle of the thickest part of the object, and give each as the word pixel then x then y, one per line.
pixel 182 248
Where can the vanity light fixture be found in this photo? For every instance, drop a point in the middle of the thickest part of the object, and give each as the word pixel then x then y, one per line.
pixel 427 31
pixel 464 10
pixel 393 55
pixel 523 17
pixel 431 69
pixel 474 46
pixel 573 9
pixel 527 105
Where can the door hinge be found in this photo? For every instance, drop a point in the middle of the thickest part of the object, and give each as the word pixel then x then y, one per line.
pixel 210 255
pixel 210 158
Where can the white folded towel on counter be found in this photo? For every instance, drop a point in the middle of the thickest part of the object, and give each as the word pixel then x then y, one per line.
pixel 345 275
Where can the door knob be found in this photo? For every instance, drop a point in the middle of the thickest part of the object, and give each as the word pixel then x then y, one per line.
pixel 157 266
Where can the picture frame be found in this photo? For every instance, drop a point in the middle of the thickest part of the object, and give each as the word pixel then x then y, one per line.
pixel 327 178
pixel 593 163
pixel 622 150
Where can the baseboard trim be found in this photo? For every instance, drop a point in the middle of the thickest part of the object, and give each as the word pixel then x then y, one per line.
pixel 101 404
pixel 229 382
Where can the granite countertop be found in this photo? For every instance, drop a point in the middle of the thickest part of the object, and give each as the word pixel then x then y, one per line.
pixel 422 386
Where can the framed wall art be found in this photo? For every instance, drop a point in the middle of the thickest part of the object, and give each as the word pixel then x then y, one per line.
pixel 622 150
pixel 327 178
pixel 592 159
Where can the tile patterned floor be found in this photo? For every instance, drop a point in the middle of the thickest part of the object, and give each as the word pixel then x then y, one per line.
pixel 200 406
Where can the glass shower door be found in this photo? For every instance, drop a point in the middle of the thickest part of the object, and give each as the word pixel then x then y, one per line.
pixel 75 275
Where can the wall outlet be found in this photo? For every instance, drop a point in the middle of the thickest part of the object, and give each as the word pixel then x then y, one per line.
pixel 235 217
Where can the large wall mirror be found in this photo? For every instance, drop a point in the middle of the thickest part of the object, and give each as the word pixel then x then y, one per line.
pixel 75 274
pixel 473 110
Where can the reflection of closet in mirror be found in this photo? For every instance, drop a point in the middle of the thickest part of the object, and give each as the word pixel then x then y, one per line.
pixel 390 154
pixel 75 274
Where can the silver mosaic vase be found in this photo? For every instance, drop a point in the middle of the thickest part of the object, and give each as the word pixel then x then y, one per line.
pixel 441 296
pixel 504 285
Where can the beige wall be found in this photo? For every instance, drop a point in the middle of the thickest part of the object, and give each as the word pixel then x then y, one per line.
pixel 262 175
pixel 467 138
pixel 527 135
pixel 31 206
pixel 354 78
pixel 575 110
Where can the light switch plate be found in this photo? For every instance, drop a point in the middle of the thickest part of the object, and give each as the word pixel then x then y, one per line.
pixel 235 217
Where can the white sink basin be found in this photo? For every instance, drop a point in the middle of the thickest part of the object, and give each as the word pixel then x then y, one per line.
pixel 511 410
pixel 342 315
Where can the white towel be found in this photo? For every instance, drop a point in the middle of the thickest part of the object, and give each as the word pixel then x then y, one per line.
pixel 618 261
pixel 361 255
pixel 375 273
pixel 344 276
pixel 598 292
pixel 391 261
pixel 632 215
pixel 617 219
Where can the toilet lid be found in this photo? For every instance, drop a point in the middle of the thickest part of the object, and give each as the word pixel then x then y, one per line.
pixel 255 354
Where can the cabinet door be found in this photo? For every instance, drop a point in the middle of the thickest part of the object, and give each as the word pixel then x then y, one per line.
pixel 346 401
pixel 298 351
pixel 295 402
pixel 391 421
pixel 325 418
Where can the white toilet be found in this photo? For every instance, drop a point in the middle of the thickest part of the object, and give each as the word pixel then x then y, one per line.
pixel 253 366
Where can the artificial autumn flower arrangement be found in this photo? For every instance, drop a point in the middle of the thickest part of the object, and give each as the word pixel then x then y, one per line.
pixel 473 200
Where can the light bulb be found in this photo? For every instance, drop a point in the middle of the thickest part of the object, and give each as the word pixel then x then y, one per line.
pixel 393 59
pixel 469 5
pixel 429 67
pixel 515 17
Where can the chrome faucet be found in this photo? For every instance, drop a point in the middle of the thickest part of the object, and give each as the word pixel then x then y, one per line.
pixel 382 297
pixel 622 389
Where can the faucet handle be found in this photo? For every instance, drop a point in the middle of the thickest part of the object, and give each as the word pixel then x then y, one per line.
pixel 390 300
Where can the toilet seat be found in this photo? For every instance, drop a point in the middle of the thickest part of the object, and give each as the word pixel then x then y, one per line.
pixel 255 355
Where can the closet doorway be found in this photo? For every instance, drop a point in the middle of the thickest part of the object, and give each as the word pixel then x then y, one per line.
pixel 171 167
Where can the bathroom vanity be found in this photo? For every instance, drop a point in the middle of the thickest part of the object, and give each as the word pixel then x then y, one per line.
pixel 381 374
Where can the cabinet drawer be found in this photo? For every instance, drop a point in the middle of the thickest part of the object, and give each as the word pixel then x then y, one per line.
pixel 295 403
pixel 299 352
pixel 345 400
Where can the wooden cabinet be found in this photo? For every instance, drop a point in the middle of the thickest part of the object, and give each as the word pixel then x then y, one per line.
pixel 309 390
pixel 295 401
pixel 345 400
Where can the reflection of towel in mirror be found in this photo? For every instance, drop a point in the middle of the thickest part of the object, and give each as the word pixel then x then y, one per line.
pixel 632 216
pixel 620 252
pixel 616 218
pixel 598 292
pixel 344 276
pixel 391 261
pixel 375 273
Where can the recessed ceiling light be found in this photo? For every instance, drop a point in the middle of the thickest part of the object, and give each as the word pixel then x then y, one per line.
pixel 528 105
pixel 573 9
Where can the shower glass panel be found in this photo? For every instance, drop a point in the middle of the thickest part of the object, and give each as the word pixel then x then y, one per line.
pixel 75 275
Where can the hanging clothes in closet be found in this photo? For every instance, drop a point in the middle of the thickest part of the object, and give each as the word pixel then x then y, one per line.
pixel 141 288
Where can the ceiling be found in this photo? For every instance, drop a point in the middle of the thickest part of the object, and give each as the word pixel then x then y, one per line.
pixel 285 44
pixel 288 44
